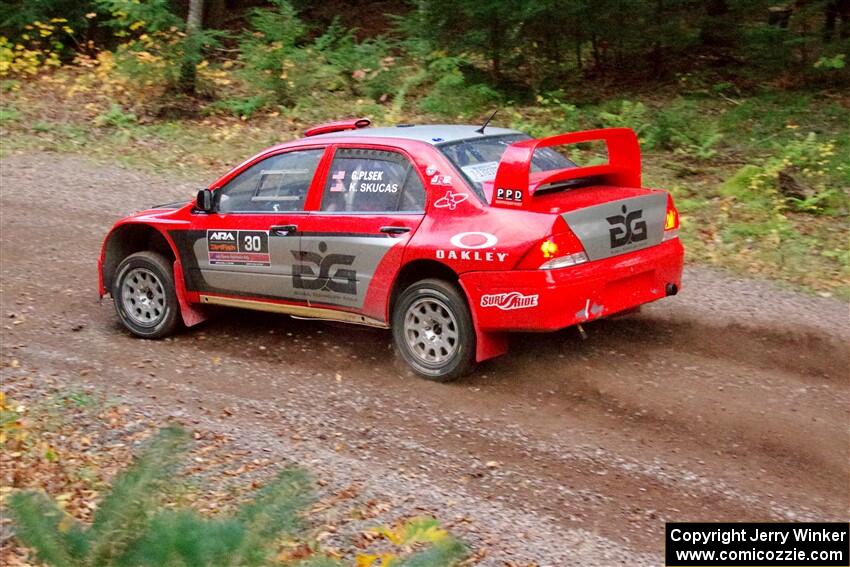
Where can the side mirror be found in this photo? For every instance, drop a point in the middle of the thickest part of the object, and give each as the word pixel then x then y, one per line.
pixel 205 201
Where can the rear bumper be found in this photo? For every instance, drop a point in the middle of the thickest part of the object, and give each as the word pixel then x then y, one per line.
pixel 547 300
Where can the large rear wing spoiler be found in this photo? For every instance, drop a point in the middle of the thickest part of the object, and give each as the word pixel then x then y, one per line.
pixel 511 185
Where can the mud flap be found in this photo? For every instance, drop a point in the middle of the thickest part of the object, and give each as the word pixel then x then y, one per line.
pixel 489 345
pixel 190 314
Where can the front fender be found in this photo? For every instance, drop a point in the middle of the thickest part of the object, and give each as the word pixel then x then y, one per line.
pixel 135 234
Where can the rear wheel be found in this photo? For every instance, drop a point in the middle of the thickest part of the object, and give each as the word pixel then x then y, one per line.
pixel 144 295
pixel 433 331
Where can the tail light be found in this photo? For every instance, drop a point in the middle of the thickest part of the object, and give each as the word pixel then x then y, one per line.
pixel 557 251
pixel 671 221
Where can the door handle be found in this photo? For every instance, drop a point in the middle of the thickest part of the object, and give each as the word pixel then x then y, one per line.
pixel 282 229
pixel 394 230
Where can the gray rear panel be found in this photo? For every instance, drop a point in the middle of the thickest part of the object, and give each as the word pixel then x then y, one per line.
pixel 620 226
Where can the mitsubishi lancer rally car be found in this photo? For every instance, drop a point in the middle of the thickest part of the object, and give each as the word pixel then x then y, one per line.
pixel 450 236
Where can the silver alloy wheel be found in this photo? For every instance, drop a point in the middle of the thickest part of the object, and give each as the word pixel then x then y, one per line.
pixel 431 331
pixel 143 297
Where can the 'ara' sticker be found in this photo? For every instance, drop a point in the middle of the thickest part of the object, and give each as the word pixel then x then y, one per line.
pixel 238 247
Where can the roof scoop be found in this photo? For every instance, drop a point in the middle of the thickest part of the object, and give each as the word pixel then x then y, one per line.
pixel 339 126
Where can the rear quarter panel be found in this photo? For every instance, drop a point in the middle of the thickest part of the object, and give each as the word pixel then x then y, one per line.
pixel 465 234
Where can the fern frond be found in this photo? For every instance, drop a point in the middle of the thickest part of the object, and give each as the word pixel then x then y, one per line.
pixel 122 515
pixel 185 538
pixel 275 510
pixel 39 524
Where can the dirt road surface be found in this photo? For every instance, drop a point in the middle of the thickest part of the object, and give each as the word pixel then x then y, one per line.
pixel 730 401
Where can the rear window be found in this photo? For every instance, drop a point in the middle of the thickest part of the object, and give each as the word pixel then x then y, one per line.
pixel 478 158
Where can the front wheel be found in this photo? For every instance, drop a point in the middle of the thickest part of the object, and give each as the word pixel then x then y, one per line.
pixel 433 331
pixel 144 295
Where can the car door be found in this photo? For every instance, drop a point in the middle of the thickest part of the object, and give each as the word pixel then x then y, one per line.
pixel 372 201
pixel 249 245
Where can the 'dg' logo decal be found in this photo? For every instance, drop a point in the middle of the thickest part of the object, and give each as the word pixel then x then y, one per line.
pixel 626 228
pixel 315 271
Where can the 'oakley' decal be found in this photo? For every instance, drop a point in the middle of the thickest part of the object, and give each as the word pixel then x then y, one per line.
pixel 474 240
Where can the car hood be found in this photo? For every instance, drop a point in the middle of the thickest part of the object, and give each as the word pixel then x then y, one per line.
pixel 174 205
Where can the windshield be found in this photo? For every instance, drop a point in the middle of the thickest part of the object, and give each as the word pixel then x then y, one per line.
pixel 478 158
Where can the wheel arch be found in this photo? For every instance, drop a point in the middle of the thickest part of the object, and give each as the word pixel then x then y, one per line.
pixel 487 344
pixel 417 270
pixel 128 239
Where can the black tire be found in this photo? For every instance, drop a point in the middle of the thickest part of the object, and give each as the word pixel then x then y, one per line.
pixel 152 272
pixel 457 344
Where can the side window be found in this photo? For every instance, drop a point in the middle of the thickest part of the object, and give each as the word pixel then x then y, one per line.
pixel 363 181
pixel 276 184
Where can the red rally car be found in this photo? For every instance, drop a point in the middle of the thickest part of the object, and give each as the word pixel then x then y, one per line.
pixel 451 236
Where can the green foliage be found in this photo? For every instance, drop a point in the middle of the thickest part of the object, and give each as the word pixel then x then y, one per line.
pixel 181 537
pixel 802 177
pixel 61 541
pixel 157 52
pixel 631 115
pixel 131 529
pixel 831 63
pixel 279 61
pixel 17 18
pixel 273 61
pixel 241 107
pixel 38 524
pixel 452 94
pixel 9 114
pixel 40 47
pixel 116 117
pixel 366 67
pixel 128 16
pixel 679 127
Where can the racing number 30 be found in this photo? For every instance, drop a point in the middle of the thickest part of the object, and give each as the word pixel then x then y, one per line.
pixel 253 243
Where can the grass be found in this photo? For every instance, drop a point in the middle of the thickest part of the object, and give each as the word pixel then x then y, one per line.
pixel 701 147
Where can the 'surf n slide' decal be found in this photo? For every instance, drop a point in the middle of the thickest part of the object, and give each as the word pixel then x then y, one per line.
pixel 238 247
pixel 510 300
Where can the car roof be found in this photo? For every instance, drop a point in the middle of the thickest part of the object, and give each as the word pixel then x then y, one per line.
pixel 434 134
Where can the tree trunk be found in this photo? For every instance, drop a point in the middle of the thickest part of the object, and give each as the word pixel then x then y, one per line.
pixel 196 16
pixel 657 53
pixel 579 63
pixel 495 41
pixel 191 51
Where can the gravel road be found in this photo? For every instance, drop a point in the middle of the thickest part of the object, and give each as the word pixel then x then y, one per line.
pixel 730 401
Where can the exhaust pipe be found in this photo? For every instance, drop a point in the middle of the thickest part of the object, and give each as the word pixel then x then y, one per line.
pixel 671 289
